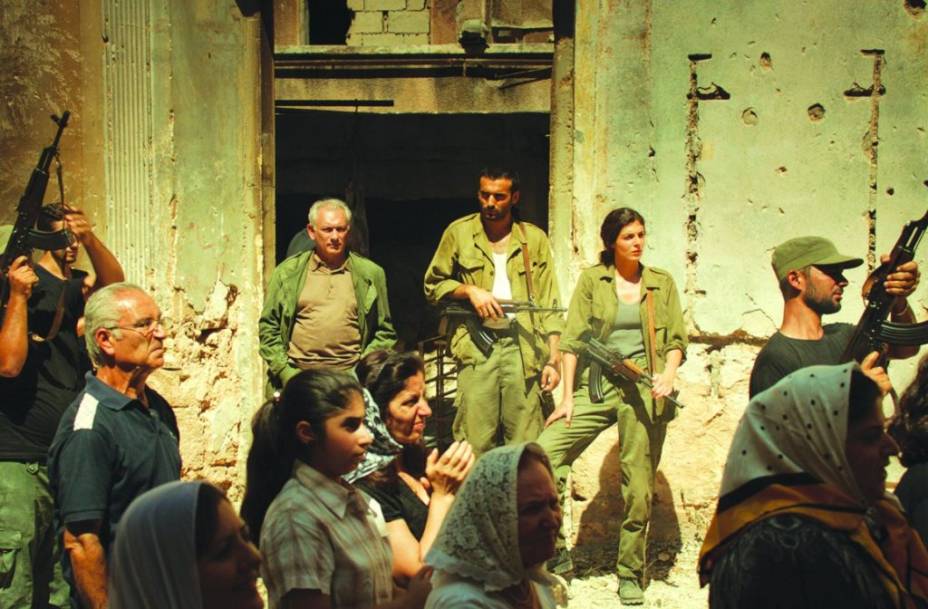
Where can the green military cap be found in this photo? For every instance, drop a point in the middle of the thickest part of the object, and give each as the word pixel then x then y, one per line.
pixel 801 252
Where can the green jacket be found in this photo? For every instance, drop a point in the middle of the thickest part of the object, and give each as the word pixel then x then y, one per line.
pixel 464 256
pixel 594 303
pixel 283 292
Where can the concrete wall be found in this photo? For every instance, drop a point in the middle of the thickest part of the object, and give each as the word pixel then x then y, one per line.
pixel 195 117
pixel 782 142
pixel 40 49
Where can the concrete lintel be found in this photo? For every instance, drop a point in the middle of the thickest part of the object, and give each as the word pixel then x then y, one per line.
pixel 522 67
pixel 451 95
pixel 331 52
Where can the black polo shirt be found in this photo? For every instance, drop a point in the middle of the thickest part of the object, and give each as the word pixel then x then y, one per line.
pixel 110 449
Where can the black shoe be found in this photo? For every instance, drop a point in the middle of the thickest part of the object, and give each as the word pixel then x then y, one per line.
pixel 561 564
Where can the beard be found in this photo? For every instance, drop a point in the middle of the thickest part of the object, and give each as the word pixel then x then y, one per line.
pixel 820 303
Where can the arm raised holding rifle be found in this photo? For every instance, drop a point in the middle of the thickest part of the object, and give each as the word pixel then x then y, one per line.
pixel 622 307
pixel 810 272
pixel 42 369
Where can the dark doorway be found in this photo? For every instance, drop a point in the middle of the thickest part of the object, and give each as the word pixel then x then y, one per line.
pixel 412 175
pixel 329 21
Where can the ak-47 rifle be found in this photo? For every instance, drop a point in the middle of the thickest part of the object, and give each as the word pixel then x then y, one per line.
pixel 483 336
pixel 25 237
pixel 603 357
pixel 873 332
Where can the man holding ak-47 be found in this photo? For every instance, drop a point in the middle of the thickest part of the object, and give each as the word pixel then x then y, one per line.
pixel 42 367
pixel 489 259
pixel 811 275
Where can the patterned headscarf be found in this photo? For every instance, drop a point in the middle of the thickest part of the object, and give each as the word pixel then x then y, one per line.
pixel 382 451
pixel 797 426
pixel 788 457
pixel 153 564
pixel 479 539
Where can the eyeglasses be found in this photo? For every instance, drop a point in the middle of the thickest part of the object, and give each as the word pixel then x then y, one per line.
pixel 147 326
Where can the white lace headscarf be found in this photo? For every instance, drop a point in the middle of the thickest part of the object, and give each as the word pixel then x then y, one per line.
pixel 479 539
pixel 798 425
pixel 153 564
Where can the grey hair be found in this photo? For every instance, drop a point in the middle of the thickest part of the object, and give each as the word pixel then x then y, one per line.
pixel 103 311
pixel 325 204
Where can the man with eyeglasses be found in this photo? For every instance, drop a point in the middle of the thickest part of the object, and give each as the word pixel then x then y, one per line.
pixel 119 437
pixel 811 275
pixel 42 366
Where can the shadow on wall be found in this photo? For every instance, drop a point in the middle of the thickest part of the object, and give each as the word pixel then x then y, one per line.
pixel 597 538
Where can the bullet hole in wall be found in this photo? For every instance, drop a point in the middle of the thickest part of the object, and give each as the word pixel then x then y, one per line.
pixel 816 112
pixel 749 117
pixel 765 61
pixel 915 7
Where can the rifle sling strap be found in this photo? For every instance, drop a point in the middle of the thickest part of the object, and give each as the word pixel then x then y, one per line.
pixel 528 265
pixel 56 321
pixel 529 285
pixel 652 342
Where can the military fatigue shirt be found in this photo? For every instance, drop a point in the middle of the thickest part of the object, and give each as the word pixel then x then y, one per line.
pixel 594 303
pixel 465 256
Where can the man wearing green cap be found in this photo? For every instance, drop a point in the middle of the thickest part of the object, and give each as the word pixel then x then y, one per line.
pixel 811 275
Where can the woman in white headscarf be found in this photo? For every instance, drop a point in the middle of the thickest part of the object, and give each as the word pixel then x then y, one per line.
pixel 803 518
pixel 182 546
pixel 491 550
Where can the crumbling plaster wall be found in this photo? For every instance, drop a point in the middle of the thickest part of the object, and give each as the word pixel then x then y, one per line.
pixel 201 191
pixel 164 153
pixel 40 50
pixel 774 149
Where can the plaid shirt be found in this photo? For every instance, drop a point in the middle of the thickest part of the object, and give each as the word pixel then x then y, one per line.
pixel 323 535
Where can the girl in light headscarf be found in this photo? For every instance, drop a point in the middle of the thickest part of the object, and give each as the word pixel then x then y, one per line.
pixel 803 519
pixel 182 546
pixel 491 550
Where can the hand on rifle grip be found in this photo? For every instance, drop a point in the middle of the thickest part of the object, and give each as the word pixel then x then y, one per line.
pixel 21 277
pixel 661 385
pixel 484 303
pixel 903 281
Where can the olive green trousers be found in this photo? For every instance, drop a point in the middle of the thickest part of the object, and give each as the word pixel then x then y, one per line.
pixel 496 404
pixel 640 444
pixel 30 551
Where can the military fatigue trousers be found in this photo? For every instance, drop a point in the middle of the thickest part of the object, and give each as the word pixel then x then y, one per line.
pixel 640 444
pixel 496 403
pixel 30 551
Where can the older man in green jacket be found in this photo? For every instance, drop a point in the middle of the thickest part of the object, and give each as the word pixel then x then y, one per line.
pixel 325 307
pixel 482 259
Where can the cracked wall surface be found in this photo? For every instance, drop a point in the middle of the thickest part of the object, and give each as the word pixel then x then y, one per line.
pixel 733 127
